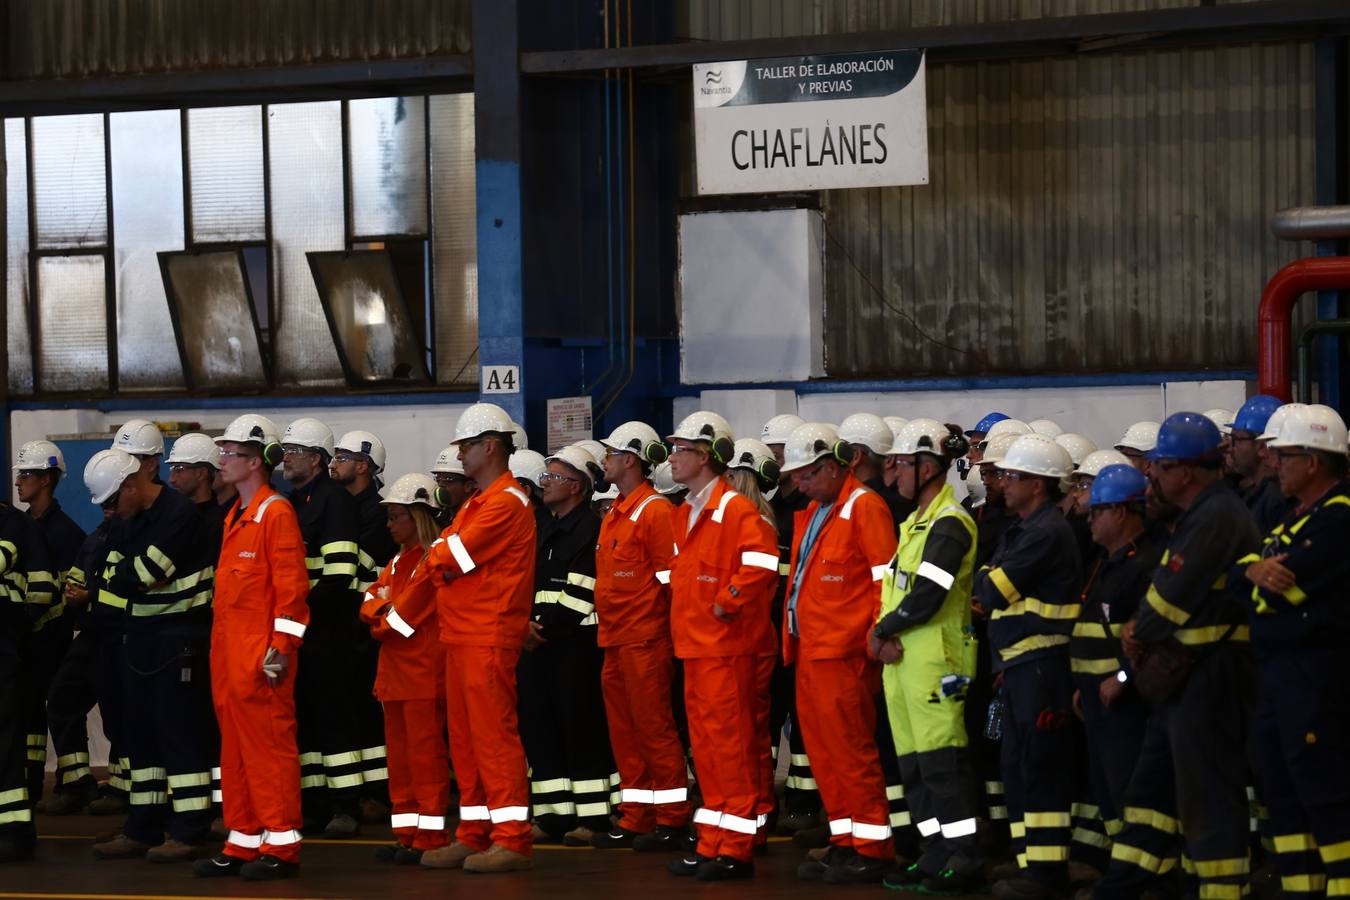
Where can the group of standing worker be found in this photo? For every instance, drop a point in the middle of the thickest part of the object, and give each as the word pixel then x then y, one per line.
pixel 1076 654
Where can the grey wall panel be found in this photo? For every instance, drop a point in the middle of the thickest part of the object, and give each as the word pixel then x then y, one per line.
pixel 1103 213
pixel 71 38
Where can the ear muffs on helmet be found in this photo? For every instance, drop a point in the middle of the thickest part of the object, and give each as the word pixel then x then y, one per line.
pixel 955 445
pixel 723 450
pixel 842 451
pixel 656 452
pixel 273 454
pixel 769 475
pixel 442 498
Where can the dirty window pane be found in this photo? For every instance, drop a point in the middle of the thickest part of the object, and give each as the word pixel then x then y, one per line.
pixel 305 175
pixel 72 310
pixel 147 183
pixel 211 296
pixel 225 174
pixel 69 181
pixel 16 265
pixel 365 303
pixel 387 143
pixel 454 238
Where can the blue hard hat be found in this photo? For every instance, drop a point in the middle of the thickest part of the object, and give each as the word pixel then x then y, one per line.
pixel 1255 413
pixel 1187 435
pixel 983 426
pixel 1117 483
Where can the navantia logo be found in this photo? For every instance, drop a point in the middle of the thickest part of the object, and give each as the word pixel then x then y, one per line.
pixel 714 76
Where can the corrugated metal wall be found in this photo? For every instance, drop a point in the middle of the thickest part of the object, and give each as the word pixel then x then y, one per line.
pixel 1098 214
pixel 744 19
pixel 72 38
pixel 1101 213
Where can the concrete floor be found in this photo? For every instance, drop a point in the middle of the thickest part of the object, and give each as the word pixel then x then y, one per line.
pixel 65 867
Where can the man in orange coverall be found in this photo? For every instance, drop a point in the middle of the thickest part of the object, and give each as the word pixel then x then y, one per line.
pixel 722 583
pixel 260 618
pixel 410 681
pixel 483 567
pixel 632 603
pixel 843 542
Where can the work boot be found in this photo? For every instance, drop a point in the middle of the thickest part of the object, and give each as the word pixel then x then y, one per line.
pixel 497 859
pixel 618 839
pixel 65 803
pixel 953 884
pixel 665 837
pixel 386 852
pixel 687 866
pixel 175 851
pixel 857 869
pixel 794 822
pixel 817 861
pixel 910 878
pixel 219 866
pixel 1024 888
pixel 121 847
pixel 108 805
pixel 580 836
pixel 342 826
pixel 268 868
pixel 407 856
pixel 451 856
pixel 725 868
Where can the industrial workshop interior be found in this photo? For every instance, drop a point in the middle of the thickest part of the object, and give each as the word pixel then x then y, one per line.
pixel 764 448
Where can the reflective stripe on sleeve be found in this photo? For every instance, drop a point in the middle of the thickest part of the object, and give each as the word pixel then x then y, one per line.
pixel 879 572
pixel 941 577
pixel 460 553
pixel 663 576
pixel 760 560
pixel 289 626
pixel 396 622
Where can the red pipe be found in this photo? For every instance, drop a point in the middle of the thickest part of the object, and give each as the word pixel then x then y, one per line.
pixel 1274 317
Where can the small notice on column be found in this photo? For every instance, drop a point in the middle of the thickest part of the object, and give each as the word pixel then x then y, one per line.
pixel 569 421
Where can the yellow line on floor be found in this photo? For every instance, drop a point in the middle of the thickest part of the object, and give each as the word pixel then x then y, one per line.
pixel 68 896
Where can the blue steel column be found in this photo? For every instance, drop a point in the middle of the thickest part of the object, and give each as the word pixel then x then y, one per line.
pixel 496 85
pixel 1329 107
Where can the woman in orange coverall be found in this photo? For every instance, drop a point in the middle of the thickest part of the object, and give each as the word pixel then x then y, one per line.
pixel 401 610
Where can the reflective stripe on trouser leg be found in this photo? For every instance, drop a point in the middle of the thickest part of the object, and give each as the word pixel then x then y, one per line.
pixel 419 771
pixel 1089 841
pixel 311 769
pixel 190 791
pixel 993 793
pixel 71 768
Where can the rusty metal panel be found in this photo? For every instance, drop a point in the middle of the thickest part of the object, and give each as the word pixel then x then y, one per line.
pixel 711 20
pixel 75 38
pixel 1102 213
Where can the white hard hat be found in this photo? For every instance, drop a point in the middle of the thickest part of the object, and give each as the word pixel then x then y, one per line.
pixel 706 427
pixel 1276 420
pixel 895 423
pixel 640 439
pixel 996 448
pixel 311 434
pixel 526 464
pixel 365 443
pixel 448 461
pixel 975 488
pixel 1223 418
pixel 1048 427
pixel 38 455
pixel 777 429
pixel 867 430
pixel 1315 427
pixel 1141 436
pixel 1007 426
pixel 139 437
pixel 105 472
pixel 921 436
pixel 1097 460
pixel 594 448
pixel 195 449
pixel 755 456
pixel 1037 454
pixel 579 458
pixel 519 439
pixel 480 419
pixel 413 488
pixel 251 428
pixel 664 481
pixel 808 443
pixel 1078 446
